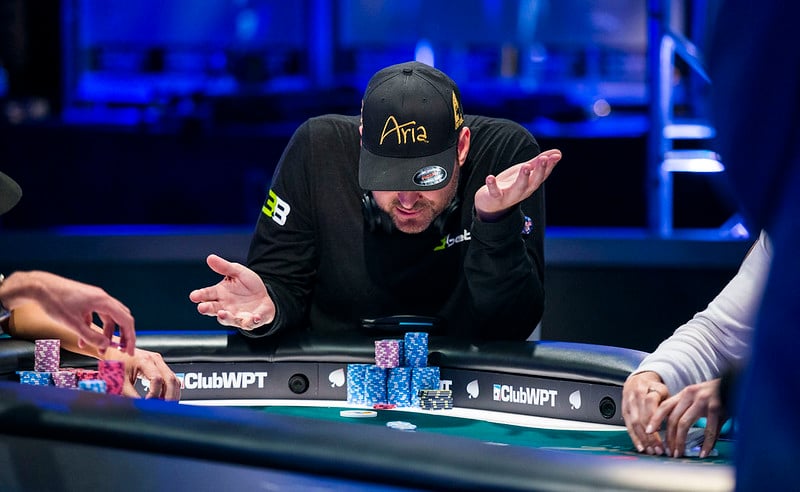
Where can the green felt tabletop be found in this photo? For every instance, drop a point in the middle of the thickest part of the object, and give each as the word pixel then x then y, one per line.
pixel 614 442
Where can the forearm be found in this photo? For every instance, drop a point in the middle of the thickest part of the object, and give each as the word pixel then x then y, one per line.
pixel 29 322
pixel 698 351
pixel 717 338
pixel 504 275
pixel 19 288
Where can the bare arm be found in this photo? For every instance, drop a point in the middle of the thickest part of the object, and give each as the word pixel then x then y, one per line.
pixel 74 305
pixel 30 322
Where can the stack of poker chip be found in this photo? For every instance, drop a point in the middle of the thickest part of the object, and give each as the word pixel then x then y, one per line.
pixel 109 378
pixel 400 371
pixel 398 386
pixel 435 399
pixel 65 379
pixel 423 378
pixel 388 353
pixel 47 355
pixel 85 374
pixel 375 385
pixel 356 377
pixel 112 372
pixel 415 352
pixel 93 385
pixel 35 378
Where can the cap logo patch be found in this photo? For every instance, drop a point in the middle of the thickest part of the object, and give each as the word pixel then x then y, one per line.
pixel 429 176
pixel 405 133
pixel 457 112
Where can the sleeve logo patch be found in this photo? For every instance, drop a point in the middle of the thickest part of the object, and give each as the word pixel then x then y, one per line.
pixel 276 208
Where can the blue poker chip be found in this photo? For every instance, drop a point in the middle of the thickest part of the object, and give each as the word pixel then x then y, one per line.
pixel 93 385
pixel 415 347
pixel 356 389
pixel 35 378
pixel 401 425
pixel 375 385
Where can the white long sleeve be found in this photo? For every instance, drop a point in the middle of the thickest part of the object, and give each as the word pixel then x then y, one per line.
pixel 719 336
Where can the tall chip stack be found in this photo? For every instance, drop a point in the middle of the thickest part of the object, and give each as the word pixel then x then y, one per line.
pixel 356 376
pixel 113 373
pixel 400 372
pixel 46 355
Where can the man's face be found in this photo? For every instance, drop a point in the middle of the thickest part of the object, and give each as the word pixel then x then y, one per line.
pixel 413 211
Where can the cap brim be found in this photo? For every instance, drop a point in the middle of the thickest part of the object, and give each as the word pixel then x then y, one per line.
pixel 10 193
pixel 379 173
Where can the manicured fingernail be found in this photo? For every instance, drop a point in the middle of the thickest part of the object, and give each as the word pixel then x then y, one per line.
pixel 659 451
pixel 640 448
pixel 649 429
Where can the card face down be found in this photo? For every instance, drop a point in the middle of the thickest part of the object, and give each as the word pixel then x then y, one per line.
pixel 694 442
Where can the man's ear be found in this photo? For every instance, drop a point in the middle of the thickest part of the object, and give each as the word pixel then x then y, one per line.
pixel 463 145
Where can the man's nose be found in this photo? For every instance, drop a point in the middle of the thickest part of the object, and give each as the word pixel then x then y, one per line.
pixel 407 199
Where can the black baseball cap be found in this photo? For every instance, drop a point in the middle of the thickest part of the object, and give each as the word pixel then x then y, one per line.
pixel 10 193
pixel 411 117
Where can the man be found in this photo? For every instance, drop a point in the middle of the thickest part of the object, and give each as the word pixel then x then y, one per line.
pixel 755 63
pixel 414 209
pixel 680 381
pixel 37 304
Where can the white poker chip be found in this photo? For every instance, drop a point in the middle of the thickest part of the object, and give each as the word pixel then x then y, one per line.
pixel 358 413
pixel 399 424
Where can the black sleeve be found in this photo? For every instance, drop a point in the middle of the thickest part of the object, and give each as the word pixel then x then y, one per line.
pixel 283 249
pixel 504 267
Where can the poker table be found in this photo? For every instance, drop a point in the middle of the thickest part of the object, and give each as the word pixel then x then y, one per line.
pixel 260 414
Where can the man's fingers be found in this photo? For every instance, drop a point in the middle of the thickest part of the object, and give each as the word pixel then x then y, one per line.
pixel 658 416
pixel 156 387
pixel 491 185
pixel 127 339
pixel 710 438
pixel 551 154
pixel 245 321
pixel 681 418
pixel 207 308
pixel 223 266
pixel 94 339
pixel 162 382
pixel 634 435
pixel 204 295
pixel 108 326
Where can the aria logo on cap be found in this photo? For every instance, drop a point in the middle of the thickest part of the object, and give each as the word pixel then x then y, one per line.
pixel 410 132
pixel 430 176
pixel 405 133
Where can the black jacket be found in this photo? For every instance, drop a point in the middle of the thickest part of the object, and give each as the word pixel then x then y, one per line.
pixel 326 271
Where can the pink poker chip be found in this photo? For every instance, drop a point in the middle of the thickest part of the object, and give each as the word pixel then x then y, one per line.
pixel 84 374
pixel 113 373
pixel 387 353
pixel 47 355
pixel 65 379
